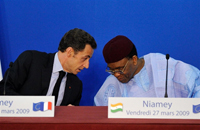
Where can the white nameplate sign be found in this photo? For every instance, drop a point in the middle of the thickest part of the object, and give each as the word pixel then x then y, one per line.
pixel 157 108
pixel 26 106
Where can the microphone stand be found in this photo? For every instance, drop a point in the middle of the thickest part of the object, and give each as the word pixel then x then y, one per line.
pixel 166 95
pixel 10 65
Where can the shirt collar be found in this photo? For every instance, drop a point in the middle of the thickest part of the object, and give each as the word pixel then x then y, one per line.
pixel 56 64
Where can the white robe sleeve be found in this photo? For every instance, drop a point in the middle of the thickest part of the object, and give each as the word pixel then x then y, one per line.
pixel 110 88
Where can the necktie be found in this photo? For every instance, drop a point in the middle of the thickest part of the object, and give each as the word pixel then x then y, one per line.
pixel 57 85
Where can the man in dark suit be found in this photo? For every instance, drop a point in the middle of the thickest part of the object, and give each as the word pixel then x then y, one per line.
pixel 36 73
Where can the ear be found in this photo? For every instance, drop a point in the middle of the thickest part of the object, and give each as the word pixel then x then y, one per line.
pixel 69 51
pixel 135 59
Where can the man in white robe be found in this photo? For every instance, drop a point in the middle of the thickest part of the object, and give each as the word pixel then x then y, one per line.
pixel 146 76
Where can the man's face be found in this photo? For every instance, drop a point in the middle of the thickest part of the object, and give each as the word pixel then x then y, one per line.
pixel 129 70
pixel 79 60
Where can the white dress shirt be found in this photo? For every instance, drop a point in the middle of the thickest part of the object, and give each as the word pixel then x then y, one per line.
pixel 54 76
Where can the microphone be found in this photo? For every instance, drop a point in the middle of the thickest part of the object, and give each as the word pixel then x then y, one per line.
pixel 4 89
pixel 167 58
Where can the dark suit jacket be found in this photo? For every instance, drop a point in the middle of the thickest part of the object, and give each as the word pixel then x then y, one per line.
pixel 31 74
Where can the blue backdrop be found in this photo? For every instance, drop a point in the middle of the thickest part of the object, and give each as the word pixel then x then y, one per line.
pixel 165 26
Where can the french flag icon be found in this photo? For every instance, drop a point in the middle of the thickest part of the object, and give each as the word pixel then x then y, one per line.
pixel 42 106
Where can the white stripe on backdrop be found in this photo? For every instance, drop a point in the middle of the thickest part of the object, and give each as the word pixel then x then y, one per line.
pixel 1 74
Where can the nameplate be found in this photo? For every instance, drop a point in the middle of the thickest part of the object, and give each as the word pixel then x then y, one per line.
pixel 26 106
pixel 157 108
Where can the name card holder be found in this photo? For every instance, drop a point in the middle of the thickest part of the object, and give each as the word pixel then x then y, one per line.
pixel 154 108
pixel 26 106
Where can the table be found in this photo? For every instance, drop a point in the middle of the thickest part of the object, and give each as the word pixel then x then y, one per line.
pixel 92 118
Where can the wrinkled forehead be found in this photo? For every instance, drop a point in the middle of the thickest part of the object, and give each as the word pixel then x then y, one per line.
pixel 86 52
pixel 118 64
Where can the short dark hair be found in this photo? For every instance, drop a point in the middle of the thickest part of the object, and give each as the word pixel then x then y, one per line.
pixel 132 53
pixel 77 39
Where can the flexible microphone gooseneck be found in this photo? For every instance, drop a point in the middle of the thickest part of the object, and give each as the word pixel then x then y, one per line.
pixel 4 89
pixel 167 58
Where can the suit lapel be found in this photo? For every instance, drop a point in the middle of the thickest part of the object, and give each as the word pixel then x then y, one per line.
pixel 46 73
pixel 68 90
